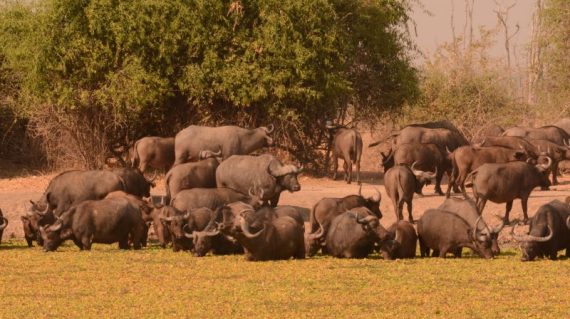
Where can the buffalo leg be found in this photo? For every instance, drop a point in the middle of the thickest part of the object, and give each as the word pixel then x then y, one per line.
pixel 357 162
pixel 345 170
pixel 410 216
pixel 86 242
pixel 424 249
pixel 508 211
pixel 30 241
pixel 438 179
pixel 335 164
pixel 555 173
pixel 78 243
pixel 443 252
pixel 457 252
pixel 348 171
pixel 524 204
pixel 397 211
pixel 451 182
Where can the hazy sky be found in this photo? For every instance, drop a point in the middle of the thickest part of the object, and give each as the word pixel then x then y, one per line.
pixel 436 29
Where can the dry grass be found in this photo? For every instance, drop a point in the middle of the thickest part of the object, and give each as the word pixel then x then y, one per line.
pixel 155 283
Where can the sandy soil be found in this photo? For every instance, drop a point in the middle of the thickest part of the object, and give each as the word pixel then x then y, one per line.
pixel 16 193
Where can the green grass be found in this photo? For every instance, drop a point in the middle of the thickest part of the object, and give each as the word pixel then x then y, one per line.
pixel 156 283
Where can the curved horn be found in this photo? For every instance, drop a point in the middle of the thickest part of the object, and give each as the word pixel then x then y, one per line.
pixel 4 224
pixel 476 232
pixel 568 222
pixel 415 171
pixel 42 213
pixel 57 227
pixel 498 229
pixel 545 167
pixel 377 196
pixel 432 175
pixel 527 237
pixel 365 220
pixel 270 128
pixel 447 150
pixel 186 233
pixel 247 232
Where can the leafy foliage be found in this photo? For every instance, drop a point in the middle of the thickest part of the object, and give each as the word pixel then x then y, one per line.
pixel 154 67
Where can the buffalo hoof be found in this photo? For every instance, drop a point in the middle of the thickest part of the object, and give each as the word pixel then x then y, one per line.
pixel 438 192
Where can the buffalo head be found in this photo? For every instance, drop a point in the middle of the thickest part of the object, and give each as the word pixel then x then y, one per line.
pixel 544 169
pixel 264 133
pixel 175 225
pixel 314 242
pixel 373 202
pixel 285 175
pixel 481 239
pixel 530 244
pixel 54 235
pixel 387 160
pixel 422 178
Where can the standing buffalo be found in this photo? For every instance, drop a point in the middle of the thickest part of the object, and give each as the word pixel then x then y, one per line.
pixel 211 198
pixel 414 134
pixel 3 225
pixel 467 158
pixel 233 140
pixel 104 221
pixel 200 174
pixel 428 157
pixel 466 209
pixel 264 172
pixel 72 187
pixel 135 182
pixel 153 151
pixel 511 142
pixel 446 232
pixel 347 144
pixel 505 182
pixel 264 235
pixel 551 133
pixel 548 232
pixel 401 183
pixel 354 234
pixel 556 152
pixel 404 243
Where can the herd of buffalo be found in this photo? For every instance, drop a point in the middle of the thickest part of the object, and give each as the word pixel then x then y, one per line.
pixel 222 200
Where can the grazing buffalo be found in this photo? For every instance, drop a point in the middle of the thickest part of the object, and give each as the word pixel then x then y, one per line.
pixel 440 136
pixel 264 235
pixel 466 209
pixel 104 221
pixel 505 182
pixel 3 225
pixel 551 133
pixel 155 217
pixel 152 151
pixel 200 174
pixel 404 243
pixel 354 234
pixel 556 152
pixel 511 142
pixel 211 239
pixel 401 183
pixel 443 232
pixel 179 225
pixel 468 158
pixel 72 187
pixel 347 144
pixel 548 233
pixel 232 140
pixel 211 198
pixel 32 221
pixel 428 157
pixel 264 172
pixel 135 182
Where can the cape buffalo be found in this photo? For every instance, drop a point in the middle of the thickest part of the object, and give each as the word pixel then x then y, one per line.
pixel 153 151
pixel 72 187
pixel 264 235
pixel 233 140
pixel 404 243
pixel 492 130
pixel 264 172
pixel 135 182
pixel 354 234
pixel 466 209
pixel 347 144
pixel 556 152
pixel 104 221
pixel 549 132
pixel 505 182
pixel 401 183
pixel 444 232
pixel 564 124
pixel 179 225
pixel 211 198
pixel 32 221
pixel 211 239
pixel 511 142
pixel 428 157
pixel 200 174
pixel 440 136
pixel 468 158
pixel 3 225
pixel 144 208
pixel 548 233
pixel 158 212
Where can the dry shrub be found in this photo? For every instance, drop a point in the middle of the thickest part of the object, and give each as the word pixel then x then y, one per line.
pixel 74 139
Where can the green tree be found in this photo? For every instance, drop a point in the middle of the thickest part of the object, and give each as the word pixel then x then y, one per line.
pixel 104 72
